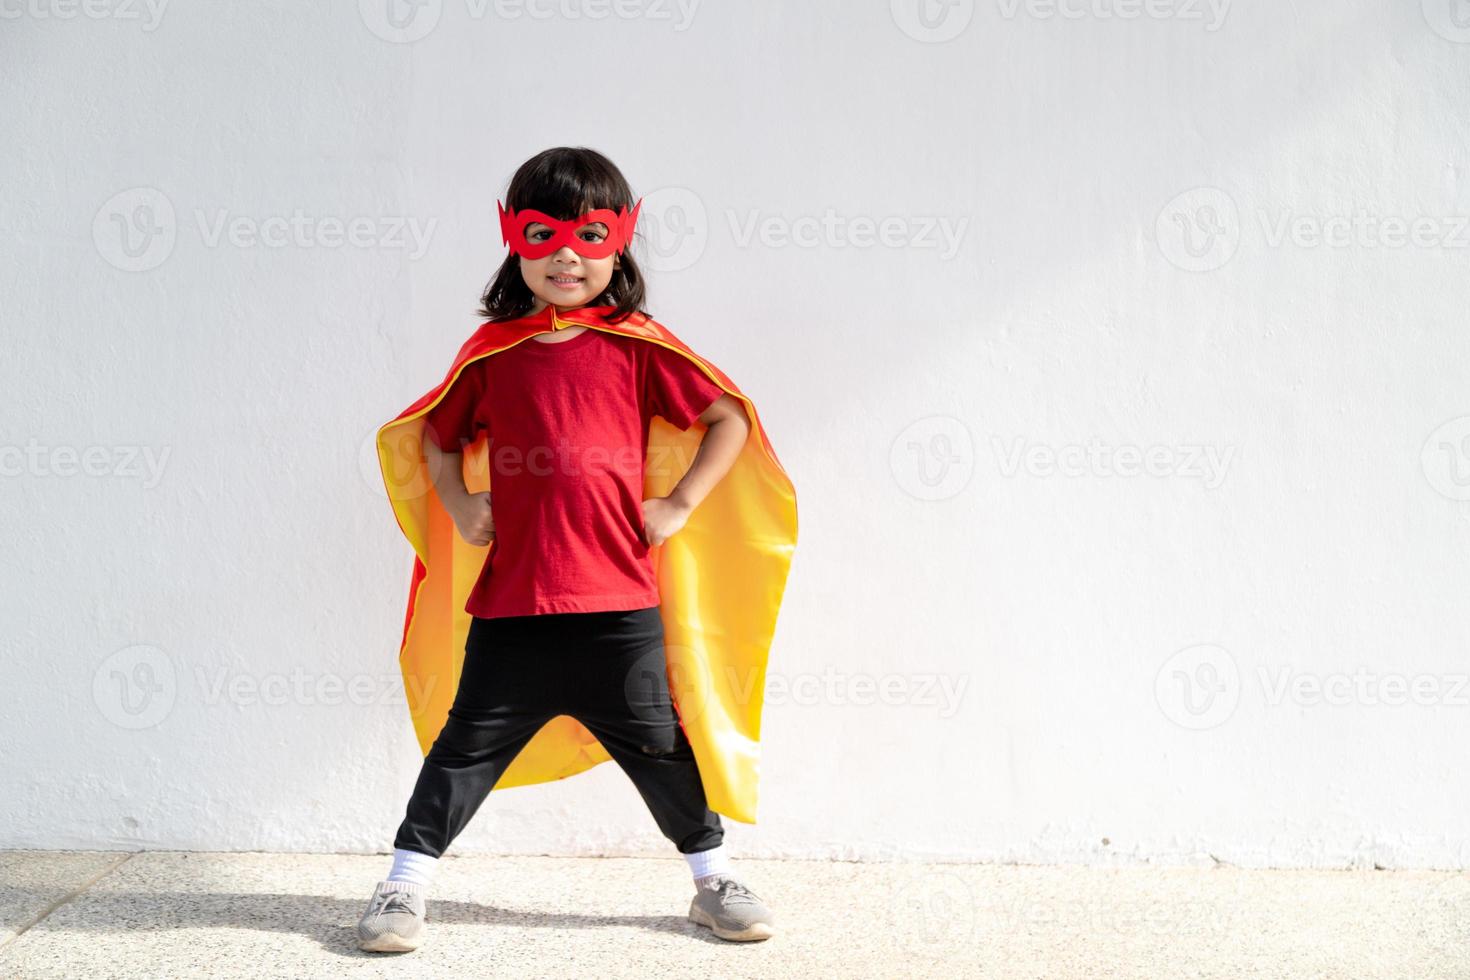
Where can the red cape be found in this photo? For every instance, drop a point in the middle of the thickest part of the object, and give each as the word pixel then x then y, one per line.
pixel 720 578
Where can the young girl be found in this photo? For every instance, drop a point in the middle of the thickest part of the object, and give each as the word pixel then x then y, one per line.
pixel 612 596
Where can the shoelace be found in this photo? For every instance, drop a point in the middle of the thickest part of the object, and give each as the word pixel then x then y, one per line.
pixel 729 888
pixel 396 902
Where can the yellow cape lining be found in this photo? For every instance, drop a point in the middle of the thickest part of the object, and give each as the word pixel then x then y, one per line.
pixel 721 579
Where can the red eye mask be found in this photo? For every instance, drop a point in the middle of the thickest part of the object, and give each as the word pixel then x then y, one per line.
pixel 513 226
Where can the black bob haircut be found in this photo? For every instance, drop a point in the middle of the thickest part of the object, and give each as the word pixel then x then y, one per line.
pixel 565 182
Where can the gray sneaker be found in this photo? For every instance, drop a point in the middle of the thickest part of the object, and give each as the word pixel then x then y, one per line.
pixel 731 910
pixel 395 920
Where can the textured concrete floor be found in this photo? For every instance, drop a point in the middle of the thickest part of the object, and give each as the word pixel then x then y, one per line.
pixel 176 914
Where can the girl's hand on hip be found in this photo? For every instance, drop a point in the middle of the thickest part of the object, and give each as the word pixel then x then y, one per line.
pixel 473 517
pixel 662 519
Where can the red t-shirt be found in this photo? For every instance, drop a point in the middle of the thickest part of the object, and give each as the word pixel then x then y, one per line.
pixel 568 429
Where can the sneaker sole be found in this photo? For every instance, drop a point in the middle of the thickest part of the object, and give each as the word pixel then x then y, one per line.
pixel 391 942
pixel 757 931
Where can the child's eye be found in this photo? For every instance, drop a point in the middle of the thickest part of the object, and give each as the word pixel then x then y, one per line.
pixel 593 236
pixel 539 236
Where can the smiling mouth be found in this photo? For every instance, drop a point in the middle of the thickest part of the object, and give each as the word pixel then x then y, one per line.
pixel 565 280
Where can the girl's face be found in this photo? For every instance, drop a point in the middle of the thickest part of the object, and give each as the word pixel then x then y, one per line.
pixel 565 279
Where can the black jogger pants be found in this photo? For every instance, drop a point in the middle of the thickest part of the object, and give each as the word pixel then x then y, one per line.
pixel 607 670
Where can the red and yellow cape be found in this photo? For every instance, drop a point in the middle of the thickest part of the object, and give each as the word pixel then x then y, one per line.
pixel 720 578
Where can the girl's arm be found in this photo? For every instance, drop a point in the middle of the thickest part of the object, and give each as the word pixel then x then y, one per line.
pixel 718 450
pixel 728 428
pixel 470 511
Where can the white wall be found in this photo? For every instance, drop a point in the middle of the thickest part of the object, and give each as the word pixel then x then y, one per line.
pixel 1106 649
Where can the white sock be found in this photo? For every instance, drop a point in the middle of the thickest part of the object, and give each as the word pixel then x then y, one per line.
pixel 411 866
pixel 716 860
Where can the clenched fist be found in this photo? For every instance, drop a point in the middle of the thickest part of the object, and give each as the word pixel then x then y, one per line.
pixel 662 519
pixel 473 518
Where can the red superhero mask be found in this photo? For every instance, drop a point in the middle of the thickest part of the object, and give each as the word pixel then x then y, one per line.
pixel 513 225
